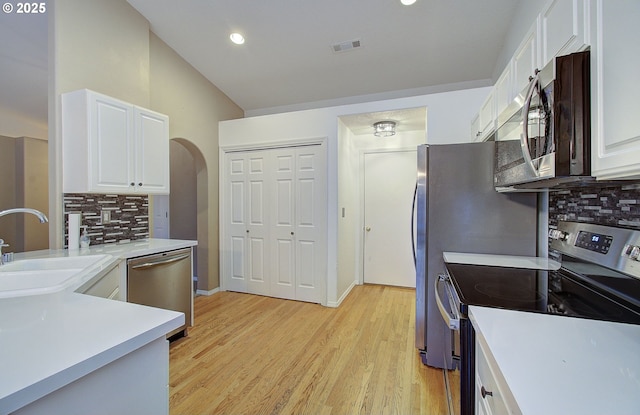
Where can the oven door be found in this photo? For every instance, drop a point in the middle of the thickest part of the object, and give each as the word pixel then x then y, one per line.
pixel 449 306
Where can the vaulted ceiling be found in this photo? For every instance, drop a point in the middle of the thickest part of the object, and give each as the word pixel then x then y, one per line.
pixel 288 60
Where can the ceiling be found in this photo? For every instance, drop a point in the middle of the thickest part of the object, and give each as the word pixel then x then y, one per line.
pixel 288 62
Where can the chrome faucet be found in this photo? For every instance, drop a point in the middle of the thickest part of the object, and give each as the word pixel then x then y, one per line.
pixel 41 217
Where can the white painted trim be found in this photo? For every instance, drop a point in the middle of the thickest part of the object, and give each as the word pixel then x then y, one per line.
pixel 207 293
pixel 274 144
pixel 344 295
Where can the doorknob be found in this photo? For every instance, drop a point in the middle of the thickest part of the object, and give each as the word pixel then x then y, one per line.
pixel 368 228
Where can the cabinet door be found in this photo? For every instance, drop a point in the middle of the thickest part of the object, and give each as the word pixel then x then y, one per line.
pixel 503 90
pixel 152 152
pixel 615 59
pixel 562 29
pixel 475 128
pixel 111 145
pixel 525 60
pixel 487 116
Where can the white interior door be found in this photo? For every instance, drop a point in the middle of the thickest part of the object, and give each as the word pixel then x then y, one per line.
pixel 389 181
pixel 257 223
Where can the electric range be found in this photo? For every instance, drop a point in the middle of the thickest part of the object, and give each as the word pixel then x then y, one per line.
pixel 594 273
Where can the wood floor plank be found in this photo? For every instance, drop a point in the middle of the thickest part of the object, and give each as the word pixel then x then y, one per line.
pixel 248 354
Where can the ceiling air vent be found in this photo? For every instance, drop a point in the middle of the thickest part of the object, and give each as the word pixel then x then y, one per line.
pixel 345 46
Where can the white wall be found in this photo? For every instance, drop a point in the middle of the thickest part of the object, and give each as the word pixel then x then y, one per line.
pixel 450 114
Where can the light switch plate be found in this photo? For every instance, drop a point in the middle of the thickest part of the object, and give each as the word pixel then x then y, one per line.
pixel 105 216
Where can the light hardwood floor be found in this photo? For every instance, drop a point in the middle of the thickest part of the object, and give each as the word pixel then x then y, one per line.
pixel 249 354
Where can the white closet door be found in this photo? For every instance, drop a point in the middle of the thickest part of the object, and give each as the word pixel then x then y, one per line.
pixel 311 223
pixel 283 205
pixel 274 232
pixel 257 222
pixel 235 242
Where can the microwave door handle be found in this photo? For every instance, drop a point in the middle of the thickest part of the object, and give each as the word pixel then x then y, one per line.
pixel 453 321
pixel 524 137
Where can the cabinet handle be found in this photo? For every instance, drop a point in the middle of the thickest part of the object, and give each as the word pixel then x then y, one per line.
pixel 247 230
pixel 485 392
pixel 132 184
pixel 140 184
pixel 292 233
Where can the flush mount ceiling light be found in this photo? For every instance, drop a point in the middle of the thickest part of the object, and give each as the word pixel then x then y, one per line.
pixel 407 2
pixel 237 38
pixel 384 128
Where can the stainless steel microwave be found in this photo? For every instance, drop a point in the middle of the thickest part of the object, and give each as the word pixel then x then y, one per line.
pixel 543 138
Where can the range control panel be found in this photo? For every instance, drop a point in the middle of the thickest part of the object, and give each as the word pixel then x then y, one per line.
pixel 594 241
pixel 612 247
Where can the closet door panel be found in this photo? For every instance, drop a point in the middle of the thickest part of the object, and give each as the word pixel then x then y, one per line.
pixel 257 226
pixel 234 245
pixel 282 228
pixel 310 222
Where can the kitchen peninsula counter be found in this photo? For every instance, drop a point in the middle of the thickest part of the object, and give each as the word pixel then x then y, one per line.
pixel 562 365
pixel 53 341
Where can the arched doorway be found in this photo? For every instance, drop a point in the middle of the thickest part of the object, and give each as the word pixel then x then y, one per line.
pixel 189 202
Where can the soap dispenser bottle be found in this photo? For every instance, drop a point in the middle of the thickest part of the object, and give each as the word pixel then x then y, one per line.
pixel 84 239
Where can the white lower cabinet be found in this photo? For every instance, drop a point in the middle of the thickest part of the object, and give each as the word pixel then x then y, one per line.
pixel 273 234
pixel 492 393
pixel 615 59
pixel 105 284
pixel 136 383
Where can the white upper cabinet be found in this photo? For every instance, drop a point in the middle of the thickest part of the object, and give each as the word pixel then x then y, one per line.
pixel 503 90
pixel 475 128
pixel 615 59
pixel 563 28
pixel 487 117
pixel 525 60
pixel 110 146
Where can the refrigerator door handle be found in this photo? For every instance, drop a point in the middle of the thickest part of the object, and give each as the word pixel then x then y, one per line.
pixel 413 222
pixel 452 320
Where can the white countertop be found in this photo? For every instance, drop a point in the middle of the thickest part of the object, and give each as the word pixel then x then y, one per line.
pixel 511 261
pixel 563 365
pixel 50 340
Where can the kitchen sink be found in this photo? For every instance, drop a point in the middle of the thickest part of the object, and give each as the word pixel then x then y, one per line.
pixel 60 263
pixel 21 283
pixel 43 275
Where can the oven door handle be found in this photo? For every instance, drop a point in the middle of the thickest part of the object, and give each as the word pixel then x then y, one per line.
pixel 452 320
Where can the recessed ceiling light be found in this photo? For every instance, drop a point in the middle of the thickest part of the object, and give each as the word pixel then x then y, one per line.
pixel 237 38
pixel 407 2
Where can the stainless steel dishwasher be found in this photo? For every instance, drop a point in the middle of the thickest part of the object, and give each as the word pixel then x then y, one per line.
pixel 163 280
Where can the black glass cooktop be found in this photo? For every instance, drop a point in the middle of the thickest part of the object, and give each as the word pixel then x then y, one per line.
pixel 552 292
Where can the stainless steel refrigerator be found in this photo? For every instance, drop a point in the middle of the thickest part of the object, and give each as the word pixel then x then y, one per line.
pixel 458 210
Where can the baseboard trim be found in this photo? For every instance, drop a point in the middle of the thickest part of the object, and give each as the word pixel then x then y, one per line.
pixel 207 293
pixel 336 304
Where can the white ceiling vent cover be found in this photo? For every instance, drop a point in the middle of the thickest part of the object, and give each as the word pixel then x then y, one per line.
pixel 345 46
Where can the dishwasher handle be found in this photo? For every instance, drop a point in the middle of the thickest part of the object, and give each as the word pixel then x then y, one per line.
pixel 162 262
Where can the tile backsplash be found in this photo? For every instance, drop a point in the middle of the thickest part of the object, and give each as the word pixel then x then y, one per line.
pixel 606 205
pixel 129 216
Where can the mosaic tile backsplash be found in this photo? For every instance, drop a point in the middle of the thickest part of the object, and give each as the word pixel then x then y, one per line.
pixel 607 205
pixel 129 216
